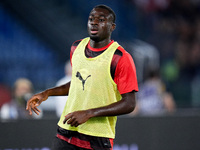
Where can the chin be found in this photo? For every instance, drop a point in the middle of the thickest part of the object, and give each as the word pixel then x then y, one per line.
pixel 95 38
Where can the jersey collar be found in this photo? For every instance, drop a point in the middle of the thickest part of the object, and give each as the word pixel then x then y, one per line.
pixel 99 49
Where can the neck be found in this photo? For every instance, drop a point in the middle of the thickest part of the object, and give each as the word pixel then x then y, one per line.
pixel 99 44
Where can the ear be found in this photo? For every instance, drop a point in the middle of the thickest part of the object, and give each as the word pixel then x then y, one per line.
pixel 113 27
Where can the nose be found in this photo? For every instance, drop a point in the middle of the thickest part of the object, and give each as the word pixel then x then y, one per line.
pixel 94 21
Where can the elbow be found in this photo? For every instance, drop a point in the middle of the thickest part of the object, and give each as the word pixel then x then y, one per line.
pixel 131 107
pixel 130 102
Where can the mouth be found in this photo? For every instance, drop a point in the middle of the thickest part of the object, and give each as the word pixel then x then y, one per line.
pixel 94 31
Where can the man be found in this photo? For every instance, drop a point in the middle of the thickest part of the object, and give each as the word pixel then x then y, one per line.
pixel 103 86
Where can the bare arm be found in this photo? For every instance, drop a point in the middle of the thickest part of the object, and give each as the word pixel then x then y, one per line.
pixel 37 99
pixel 62 90
pixel 124 106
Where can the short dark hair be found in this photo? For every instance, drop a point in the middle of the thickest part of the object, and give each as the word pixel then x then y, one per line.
pixel 109 9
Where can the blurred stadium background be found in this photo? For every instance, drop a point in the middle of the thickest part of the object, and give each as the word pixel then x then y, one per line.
pixel 35 40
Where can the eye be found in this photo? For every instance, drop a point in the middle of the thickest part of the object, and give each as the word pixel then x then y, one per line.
pixel 101 20
pixel 90 19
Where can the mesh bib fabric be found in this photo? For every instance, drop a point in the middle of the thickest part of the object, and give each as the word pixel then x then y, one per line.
pixel 92 86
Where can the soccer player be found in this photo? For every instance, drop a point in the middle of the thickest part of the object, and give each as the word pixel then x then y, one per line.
pixel 103 86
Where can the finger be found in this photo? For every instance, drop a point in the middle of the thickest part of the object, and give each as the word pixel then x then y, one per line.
pixel 66 118
pixel 35 110
pixel 27 105
pixel 38 103
pixel 71 121
pixel 77 124
pixel 29 109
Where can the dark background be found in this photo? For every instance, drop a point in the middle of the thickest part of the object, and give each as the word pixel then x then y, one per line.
pixel 147 133
pixel 36 36
pixel 35 40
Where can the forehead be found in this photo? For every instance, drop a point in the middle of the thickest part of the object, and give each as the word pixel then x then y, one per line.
pixel 100 12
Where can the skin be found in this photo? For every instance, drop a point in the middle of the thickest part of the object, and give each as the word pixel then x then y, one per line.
pixel 100 28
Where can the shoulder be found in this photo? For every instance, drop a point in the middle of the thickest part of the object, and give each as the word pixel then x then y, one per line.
pixel 73 47
pixel 76 43
pixel 123 51
pixel 125 56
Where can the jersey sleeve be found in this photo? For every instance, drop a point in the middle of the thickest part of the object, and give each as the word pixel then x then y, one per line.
pixel 73 47
pixel 125 74
pixel 71 53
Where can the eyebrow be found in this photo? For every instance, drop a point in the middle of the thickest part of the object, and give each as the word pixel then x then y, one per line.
pixel 99 15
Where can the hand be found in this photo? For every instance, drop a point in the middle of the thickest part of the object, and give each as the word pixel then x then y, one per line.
pixel 35 101
pixel 77 118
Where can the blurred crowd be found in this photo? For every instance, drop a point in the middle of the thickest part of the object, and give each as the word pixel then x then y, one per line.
pixel 13 100
pixel 14 108
pixel 168 81
pixel 174 29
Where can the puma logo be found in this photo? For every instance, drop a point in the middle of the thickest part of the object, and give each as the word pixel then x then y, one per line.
pixel 78 75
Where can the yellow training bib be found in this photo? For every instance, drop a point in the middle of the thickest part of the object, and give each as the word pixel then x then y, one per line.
pixel 92 86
